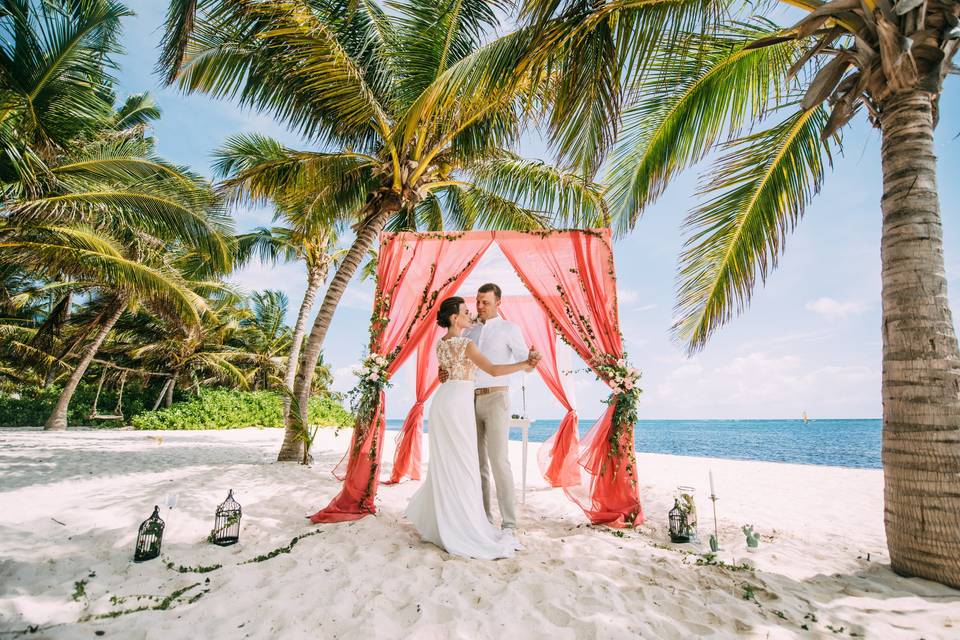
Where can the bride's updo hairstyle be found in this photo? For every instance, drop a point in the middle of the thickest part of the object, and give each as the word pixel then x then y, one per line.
pixel 449 307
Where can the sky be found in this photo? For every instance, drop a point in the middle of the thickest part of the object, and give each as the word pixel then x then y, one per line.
pixel 809 342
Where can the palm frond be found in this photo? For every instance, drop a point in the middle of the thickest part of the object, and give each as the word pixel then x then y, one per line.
pixel 308 63
pixel 153 206
pixel 568 198
pixel 258 169
pixel 594 48
pixel 475 208
pixel 756 194
pixel 434 34
pixel 696 89
pixel 53 250
pixel 138 110
pixel 55 63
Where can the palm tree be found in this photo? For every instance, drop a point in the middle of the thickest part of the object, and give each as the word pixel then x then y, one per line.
pixel 349 76
pixel 82 193
pixel 701 91
pixel 306 238
pixel 291 244
pixel 191 353
pixel 266 336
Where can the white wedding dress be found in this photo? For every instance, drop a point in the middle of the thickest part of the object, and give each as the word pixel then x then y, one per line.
pixel 447 510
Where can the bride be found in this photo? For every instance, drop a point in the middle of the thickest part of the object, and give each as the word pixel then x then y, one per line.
pixel 447 510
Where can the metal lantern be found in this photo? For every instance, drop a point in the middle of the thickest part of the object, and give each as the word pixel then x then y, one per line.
pixel 149 538
pixel 226 526
pixel 679 531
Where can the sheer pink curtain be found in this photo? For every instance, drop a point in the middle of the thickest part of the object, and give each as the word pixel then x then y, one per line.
pixel 415 272
pixel 557 457
pixel 571 275
pixel 406 460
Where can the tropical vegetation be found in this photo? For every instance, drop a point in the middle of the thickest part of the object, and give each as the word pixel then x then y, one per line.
pixel 112 259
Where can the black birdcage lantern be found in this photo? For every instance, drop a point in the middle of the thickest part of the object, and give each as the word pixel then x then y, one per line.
pixel 226 525
pixel 149 537
pixel 679 528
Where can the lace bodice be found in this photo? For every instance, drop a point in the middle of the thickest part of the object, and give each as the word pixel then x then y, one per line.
pixel 452 356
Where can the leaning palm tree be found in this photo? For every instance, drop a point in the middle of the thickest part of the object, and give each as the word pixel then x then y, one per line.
pixel 292 244
pixel 305 238
pixel 702 91
pixel 347 75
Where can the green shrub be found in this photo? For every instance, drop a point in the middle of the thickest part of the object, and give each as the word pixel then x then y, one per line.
pixel 34 404
pixel 227 409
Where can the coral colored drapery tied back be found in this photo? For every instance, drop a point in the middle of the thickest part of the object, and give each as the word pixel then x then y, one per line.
pixel 571 277
pixel 406 461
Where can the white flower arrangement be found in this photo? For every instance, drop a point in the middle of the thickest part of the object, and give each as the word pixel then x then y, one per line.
pixel 373 369
pixel 623 378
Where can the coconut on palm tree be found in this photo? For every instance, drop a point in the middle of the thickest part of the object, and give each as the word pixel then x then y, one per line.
pixel 352 78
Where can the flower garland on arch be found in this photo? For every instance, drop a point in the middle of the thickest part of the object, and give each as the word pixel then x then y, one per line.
pixel 373 378
pixel 625 395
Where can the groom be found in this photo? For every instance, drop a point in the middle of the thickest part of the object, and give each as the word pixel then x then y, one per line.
pixel 500 341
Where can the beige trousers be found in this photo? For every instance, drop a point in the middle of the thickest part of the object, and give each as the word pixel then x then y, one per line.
pixel 493 426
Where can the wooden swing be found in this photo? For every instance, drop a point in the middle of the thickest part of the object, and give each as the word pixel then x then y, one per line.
pixel 118 410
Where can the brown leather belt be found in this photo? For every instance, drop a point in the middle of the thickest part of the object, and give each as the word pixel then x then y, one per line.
pixel 485 390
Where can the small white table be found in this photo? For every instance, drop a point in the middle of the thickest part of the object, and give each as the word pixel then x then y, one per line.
pixel 524 425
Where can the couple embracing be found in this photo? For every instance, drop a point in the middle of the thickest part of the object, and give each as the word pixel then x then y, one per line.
pixel 468 427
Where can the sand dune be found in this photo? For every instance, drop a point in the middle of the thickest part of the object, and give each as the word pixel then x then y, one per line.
pixel 70 504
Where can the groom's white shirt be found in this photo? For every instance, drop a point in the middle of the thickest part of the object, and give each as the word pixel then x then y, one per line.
pixel 501 341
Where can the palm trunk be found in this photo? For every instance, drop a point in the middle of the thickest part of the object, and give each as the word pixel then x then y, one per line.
pixel 292 447
pixel 380 211
pixel 168 395
pixel 161 395
pixel 921 361
pixel 52 370
pixel 58 418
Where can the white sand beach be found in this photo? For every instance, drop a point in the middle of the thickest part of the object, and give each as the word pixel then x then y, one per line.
pixel 70 504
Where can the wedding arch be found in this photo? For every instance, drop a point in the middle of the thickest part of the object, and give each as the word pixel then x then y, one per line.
pixel 571 278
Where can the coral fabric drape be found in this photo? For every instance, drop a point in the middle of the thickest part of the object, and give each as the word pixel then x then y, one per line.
pixel 571 275
pixel 557 457
pixel 406 460
pixel 415 272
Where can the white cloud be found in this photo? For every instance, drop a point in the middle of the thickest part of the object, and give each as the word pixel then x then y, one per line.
pixel 836 309
pixel 762 384
pixel 494 267
pixel 627 296
pixel 345 378
pixel 358 296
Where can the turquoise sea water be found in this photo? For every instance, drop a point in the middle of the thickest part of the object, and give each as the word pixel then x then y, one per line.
pixel 838 443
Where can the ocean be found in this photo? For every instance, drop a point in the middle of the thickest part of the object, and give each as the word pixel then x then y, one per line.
pixel 837 443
